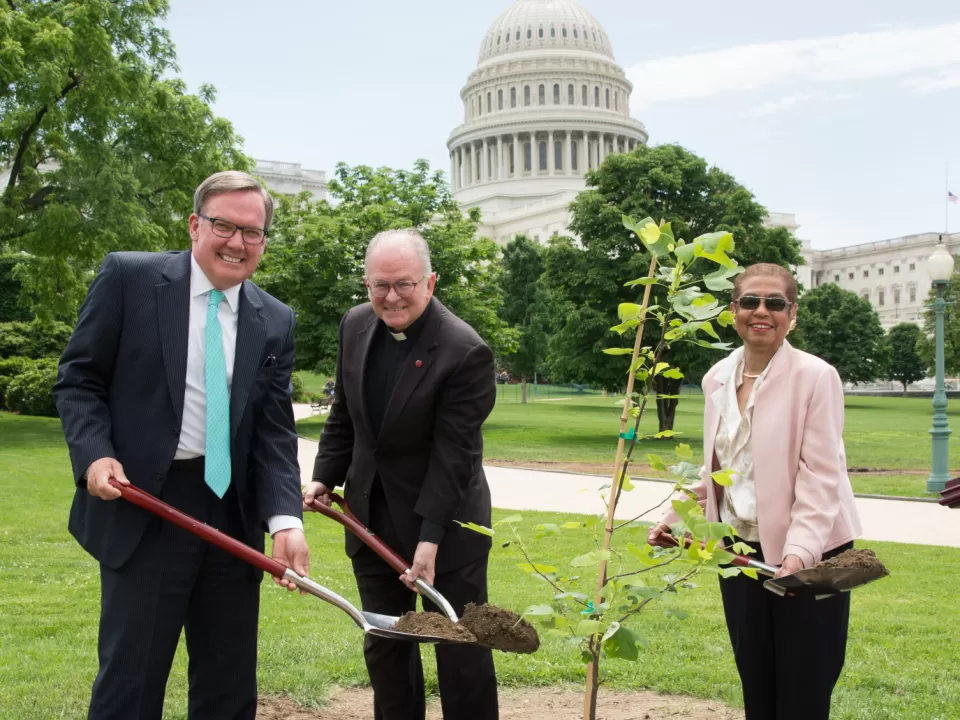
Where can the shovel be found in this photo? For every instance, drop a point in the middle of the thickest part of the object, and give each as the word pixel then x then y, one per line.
pixel 349 521
pixel 370 623
pixel 820 582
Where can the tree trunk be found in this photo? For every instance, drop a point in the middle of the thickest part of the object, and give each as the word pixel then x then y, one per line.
pixel 593 685
pixel 904 390
pixel 666 408
pixel 523 389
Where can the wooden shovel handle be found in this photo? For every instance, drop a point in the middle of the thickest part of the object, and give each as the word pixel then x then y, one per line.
pixel 349 521
pixel 236 548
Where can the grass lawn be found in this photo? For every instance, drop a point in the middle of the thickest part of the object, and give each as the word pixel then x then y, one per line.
pixel 880 433
pixel 903 660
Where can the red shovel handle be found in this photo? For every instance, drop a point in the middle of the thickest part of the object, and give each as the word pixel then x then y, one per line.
pixel 236 548
pixel 349 521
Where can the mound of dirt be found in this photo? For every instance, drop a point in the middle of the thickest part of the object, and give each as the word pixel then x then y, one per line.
pixel 435 624
pixel 861 559
pixel 500 629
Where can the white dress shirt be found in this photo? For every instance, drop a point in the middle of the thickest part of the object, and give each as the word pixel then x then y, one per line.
pixel 738 506
pixel 193 428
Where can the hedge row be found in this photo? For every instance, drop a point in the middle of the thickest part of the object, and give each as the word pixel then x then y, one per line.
pixel 26 385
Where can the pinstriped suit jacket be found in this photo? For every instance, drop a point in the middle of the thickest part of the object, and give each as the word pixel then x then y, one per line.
pixel 120 393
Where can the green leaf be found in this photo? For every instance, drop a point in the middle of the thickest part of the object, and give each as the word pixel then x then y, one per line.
pixel 625 484
pixel 720 280
pixel 539 611
pixel 641 281
pixel 509 520
pixel 572 525
pixel 677 613
pixel 715 246
pixel 749 572
pixel 726 318
pixel 476 528
pixel 586 628
pixel 656 462
pixel 643 553
pixel 618 351
pixel 629 311
pixel 723 478
pixel 624 326
pixel 683 450
pixel 741 548
pixel 547 529
pixel 590 558
pixel 661 366
pixel 664 434
pixel 673 374
pixel 653 238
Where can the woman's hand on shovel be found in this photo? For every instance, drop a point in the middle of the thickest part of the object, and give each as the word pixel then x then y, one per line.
pixel 791 564
pixel 424 565
pixel 316 491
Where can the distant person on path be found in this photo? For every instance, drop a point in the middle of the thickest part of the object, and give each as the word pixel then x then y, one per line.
pixel 414 385
pixel 774 415
pixel 177 377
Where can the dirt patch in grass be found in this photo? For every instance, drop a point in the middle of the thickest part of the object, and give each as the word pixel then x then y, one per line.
pixel 528 704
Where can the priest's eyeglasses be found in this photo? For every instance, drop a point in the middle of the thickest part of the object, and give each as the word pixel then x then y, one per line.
pixel 403 288
pixel 224 229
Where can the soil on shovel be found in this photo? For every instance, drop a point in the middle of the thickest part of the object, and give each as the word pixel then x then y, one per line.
pixel 435 624
pixel 500 629
pixel 861 559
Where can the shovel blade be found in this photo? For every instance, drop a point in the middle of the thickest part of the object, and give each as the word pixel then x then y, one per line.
pixel 823 581
pixel 382 626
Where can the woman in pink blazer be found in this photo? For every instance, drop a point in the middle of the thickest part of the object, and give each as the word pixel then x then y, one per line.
pixel 774 415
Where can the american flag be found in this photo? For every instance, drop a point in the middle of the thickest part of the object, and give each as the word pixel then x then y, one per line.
pixel 952 198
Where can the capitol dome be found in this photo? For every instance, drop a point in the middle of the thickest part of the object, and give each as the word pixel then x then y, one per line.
pixel 544 24
pixel 546 103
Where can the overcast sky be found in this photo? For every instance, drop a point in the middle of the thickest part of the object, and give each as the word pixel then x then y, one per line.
pixel 845 113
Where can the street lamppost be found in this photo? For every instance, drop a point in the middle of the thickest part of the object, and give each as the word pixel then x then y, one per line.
pixel 940 269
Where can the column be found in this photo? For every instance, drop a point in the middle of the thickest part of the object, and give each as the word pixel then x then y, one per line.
pixel 602 143
pixel 583 152
pixel 517 172
pixel 485 163
pixel 567 154
pixel 471 156
pixel 459 159
pixel 500 174
pixel 551 157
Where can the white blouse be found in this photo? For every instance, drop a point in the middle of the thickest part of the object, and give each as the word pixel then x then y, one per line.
pixel 738 503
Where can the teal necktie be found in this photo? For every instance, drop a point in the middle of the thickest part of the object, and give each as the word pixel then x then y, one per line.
pixel 217 462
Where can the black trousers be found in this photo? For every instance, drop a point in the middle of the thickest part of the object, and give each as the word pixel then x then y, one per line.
pixel 466 675
pixel 789 650
pixel 175 581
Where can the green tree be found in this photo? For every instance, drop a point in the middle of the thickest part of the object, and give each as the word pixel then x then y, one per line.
pixel 102 142
pixel 665 182
pixel 906 365
pixel 524 307
pixel 10 308
pixel 951 328
pixel 843 329
pixel 316 250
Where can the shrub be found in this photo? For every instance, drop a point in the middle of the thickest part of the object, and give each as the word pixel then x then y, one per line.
pixel 298 395
pixel 34 339
pixel 9 369
pixel 31 392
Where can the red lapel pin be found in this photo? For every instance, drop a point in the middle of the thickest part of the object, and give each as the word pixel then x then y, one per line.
pixel 419 364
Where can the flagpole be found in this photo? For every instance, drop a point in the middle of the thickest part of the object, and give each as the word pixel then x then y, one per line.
pixel 946 198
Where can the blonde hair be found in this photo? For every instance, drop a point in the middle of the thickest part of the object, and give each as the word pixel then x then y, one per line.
pixel 230 181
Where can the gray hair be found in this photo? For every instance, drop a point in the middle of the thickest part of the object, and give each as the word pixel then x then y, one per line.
pixel 229 181
pixel 408 236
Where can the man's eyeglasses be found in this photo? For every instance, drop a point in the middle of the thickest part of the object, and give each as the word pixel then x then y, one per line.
pixel 773 304
pixel 224 229
pixel 403 288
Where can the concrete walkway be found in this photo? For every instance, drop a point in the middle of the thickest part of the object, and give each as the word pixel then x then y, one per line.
pixel 899 521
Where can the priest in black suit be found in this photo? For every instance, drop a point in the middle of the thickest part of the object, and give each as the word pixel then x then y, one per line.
pixel 414 386
pixel 177 379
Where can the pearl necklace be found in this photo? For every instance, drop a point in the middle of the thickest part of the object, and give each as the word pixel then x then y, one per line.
pixel 752 377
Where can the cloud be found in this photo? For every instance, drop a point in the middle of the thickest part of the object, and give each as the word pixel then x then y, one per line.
pixel 888 53
pixel 788 102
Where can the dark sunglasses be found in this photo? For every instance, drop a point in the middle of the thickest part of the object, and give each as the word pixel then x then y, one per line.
pixel 773 304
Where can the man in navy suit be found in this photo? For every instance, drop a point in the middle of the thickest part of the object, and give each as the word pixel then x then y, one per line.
pixel 177 380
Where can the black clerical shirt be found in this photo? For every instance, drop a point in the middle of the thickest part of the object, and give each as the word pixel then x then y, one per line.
pixel 388 353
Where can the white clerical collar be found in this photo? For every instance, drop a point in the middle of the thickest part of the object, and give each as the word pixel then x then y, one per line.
pixel 399 337
pixel 200 285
